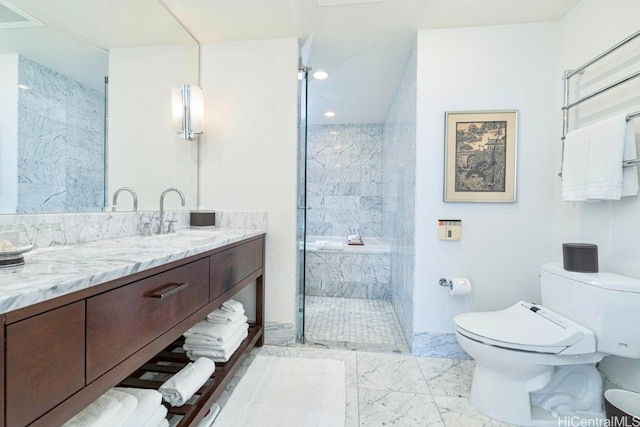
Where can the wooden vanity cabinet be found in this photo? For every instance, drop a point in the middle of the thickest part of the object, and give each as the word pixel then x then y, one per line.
pixel 64 353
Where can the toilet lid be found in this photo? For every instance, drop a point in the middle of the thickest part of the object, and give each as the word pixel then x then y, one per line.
pixel 523 326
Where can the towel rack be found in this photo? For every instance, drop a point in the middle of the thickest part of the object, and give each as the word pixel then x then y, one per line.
pixel 580 70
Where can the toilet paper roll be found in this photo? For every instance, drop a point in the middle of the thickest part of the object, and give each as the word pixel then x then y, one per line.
pixel 459 286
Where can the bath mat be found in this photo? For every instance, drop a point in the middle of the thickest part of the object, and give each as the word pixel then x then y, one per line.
pixel 287 392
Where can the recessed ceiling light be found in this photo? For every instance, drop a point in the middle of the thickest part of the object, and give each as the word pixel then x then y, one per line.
pixel 320 74
pixel 329 114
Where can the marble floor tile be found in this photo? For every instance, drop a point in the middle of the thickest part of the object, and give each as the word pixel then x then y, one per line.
pixel 390 372
pixel 387 408
pixel 458 412
pixel 447 377
pixel 352 417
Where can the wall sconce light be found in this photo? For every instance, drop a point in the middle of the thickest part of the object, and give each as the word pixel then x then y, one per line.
pixel 187 111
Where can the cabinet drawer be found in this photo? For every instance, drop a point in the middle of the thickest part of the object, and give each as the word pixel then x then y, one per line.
pixel 230 267
pixel 45 362
pixel 122 321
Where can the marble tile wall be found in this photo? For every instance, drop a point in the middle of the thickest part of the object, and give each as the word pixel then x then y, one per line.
pixel 347 275
pixel 84 227
pixel 60 143
pixel 398 189
pixel 344 179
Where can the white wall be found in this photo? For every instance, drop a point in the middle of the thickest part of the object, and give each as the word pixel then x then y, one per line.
pixel 590 28
pixel 8 133
pixel 144 152
pixel 503 245
pixel 248 151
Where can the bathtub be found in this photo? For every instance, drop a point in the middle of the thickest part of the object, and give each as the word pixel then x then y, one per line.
pixel 356 271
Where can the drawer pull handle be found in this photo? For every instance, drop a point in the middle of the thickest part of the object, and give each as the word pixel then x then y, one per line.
pixel 168 290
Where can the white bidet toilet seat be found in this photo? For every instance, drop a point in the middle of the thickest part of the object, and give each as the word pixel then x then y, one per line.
pixel 531 364
pixel 527 327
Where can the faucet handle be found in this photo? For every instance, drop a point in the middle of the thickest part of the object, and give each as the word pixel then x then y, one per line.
pixel 171 228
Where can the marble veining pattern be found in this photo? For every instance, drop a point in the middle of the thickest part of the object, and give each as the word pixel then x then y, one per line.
pixel 60 143
pixel 398 193
pixel 55 271
pixel 393 389
pixel 344 176
pixel 283 334
pixel 433 344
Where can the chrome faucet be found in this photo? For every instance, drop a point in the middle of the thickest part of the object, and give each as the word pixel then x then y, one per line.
pixel 164 193
pixel 130 190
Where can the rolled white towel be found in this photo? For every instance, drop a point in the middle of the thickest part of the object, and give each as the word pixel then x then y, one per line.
pixel 215 332
pixel 97 414
pixel 232 306
pixel 129 405
pixel 158 416
pixel 148 402
pixel 324 245
pixel 181 387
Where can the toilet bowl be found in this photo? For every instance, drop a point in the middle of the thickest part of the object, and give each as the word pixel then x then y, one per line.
pixel 519 353
pixel 535 363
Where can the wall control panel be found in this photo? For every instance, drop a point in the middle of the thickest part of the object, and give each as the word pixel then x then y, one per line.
pixel 449 229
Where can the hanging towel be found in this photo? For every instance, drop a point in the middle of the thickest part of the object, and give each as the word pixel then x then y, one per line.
pixel 324 245
pixel 592 164
pixel 97 414
pixel 630 174
pixel 148 402
pixel 181 387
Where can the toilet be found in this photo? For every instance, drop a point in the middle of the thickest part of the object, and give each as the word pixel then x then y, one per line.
pixel 535 364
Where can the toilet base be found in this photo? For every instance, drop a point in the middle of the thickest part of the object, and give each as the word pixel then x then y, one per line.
pixel 553 395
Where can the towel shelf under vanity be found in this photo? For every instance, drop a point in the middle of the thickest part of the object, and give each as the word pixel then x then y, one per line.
pixel 60 355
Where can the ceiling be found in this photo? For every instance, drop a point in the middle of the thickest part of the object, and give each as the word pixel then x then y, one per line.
pixel 364 44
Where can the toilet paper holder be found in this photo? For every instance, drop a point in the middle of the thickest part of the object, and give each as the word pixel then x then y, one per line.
pixel 444 282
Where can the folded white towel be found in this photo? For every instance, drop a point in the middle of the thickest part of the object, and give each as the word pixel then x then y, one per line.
pixel 164 423
pixel 217 355
pixel 224 317
pixel 232 306
pixel 98 413
pixel 324 245
pixel 592 163
pixel 181 387
pixel 129 405
pixel 159 415
pixel 148 402
pixel 215 331
pixel 198 341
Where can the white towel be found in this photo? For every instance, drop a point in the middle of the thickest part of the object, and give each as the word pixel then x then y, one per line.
pixel 217 355
pixel 630 175
pixel 164 423
pixel 97 414
pixel 224 317
pixel 181 387
pixel 232 306
pixel 148 402
pixel 199 341
pixel 216 332
pixel 323 245
pixel 592 165
pixel 129 405
pixel 157 418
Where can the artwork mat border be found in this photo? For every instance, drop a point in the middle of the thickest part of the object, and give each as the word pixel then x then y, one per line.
pixel 453 117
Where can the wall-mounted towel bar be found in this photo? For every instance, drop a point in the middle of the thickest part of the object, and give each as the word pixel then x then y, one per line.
pixel 580 70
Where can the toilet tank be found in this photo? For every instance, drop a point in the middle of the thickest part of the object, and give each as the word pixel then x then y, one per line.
pixel 606 303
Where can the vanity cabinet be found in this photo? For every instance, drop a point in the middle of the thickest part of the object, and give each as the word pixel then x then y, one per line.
pixel 62 354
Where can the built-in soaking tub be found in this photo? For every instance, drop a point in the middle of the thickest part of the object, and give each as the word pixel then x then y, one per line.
pixel 353 272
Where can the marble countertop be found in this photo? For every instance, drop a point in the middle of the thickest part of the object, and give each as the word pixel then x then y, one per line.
pixel 52 272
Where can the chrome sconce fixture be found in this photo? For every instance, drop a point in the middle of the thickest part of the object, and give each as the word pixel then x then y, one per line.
pixel 187 111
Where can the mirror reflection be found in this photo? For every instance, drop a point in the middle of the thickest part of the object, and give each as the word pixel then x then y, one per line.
pixel 54 62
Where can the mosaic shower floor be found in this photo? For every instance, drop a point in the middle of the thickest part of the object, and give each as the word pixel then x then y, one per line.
pixel 353 324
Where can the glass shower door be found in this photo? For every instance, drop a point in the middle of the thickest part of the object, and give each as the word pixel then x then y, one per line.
pixel 301 199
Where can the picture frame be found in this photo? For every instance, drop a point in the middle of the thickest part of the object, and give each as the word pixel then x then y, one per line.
pixel 480 156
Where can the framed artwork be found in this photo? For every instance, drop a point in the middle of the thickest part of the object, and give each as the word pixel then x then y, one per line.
pixel 480 156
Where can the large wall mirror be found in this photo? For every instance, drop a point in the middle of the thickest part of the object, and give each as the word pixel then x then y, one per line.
pixel 69 139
